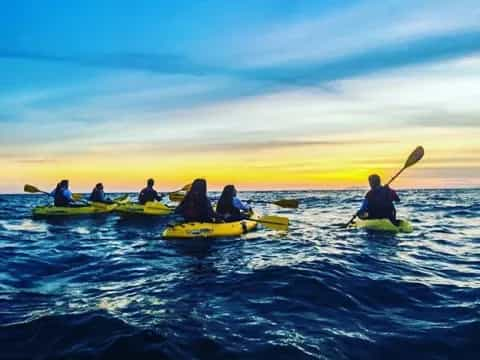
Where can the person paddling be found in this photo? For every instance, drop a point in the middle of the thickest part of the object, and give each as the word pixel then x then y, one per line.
pixel 98 195
pixel 196 206
pixel 230 207
pixel 149 193
pixel 62 195
pixel 379 201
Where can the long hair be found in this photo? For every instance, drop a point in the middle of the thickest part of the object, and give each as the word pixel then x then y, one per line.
pixel 197 193
pixel 225 203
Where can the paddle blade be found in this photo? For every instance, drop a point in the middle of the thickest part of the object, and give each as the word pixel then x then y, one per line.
pixel 287 203
pixel 155 205
pixel 31 189
pixel 176 196
pixel 77 197
pixel 278 223
pixel 414 157
pixel 121 199
pixel 156 208
pixel 103 206
pixel 186 187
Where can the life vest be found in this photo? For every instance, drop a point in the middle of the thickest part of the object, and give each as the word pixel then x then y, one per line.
pixel 380 203
pixel 229 212
pixel 97 195
pixel 59 198
pixel 195 209
pixel 146 195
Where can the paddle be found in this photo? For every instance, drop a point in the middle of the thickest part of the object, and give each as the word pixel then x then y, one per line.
pixel 285 203
pixel 278 223
pixel 177 195
pixel 33 189
pixel 156 208
pixel 115 202
pixel 414 157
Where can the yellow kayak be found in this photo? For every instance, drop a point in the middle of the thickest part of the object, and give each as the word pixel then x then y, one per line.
pixel 209 230
pixel 150 208
pixel 383 225
pixel 48 211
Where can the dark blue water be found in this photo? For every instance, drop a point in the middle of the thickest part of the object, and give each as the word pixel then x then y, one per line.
pixel 107 287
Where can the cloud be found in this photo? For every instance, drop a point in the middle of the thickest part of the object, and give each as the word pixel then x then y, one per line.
pixel 314 37
pixel 158 63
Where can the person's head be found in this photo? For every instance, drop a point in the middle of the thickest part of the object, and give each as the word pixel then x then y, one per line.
pixel 229 191
pixel 374 181
pixel 63 184
pixel 99 186
pixel 150 182
pixel 225 203
pixel 199 187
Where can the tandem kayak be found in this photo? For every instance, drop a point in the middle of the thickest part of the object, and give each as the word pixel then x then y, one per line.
pixel 383 225
pixel 150 208
pixel 48 211
pixel 209 230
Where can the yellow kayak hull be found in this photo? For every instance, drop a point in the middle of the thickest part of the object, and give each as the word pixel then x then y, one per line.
pixel 48 211
pixel 209 230
pixel 154 209
pixel 383 225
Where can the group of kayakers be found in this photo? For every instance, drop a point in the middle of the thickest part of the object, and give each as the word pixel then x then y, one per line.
pixel 196 206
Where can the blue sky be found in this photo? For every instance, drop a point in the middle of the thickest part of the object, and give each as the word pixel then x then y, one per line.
pixel 93 78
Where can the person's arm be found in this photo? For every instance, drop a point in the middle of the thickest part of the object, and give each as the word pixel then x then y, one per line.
pixel 240 205
pixel 395 196
pixel 158 196
pixel 68 195
pixel 364 207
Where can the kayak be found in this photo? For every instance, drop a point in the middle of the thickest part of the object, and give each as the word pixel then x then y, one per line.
pixel 209 230
pixel 48 211
pixel 152 208
pixel 383 225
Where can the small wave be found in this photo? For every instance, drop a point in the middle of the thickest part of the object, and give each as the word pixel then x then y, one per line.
pixel 25 225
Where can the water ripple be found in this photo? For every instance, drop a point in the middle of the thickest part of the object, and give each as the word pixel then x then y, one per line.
pixel 109 287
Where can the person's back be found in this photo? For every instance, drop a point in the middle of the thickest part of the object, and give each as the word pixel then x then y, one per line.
pixel 148 193
pixel 196 206
pixel 379 201
pixel 62 195
pixel 229 206
pixel 98 195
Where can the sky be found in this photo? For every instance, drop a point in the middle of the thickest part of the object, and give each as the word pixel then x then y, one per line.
pixel 272 94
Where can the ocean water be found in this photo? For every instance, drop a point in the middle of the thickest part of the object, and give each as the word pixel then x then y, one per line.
pixel 110 288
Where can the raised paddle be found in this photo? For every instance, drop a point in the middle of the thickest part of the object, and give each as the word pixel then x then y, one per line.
pixel 414 157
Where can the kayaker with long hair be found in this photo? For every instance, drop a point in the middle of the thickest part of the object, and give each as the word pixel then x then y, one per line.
pixel 62 195
pixel 98 195
pixel 148 193
pixel 379 201
pixel 230 207
pixel 196 206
